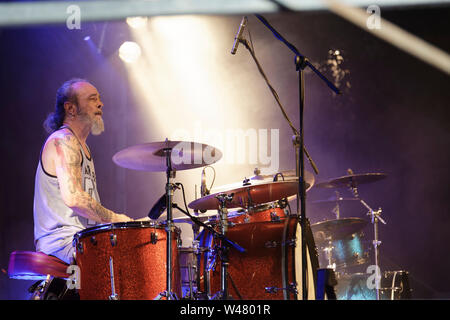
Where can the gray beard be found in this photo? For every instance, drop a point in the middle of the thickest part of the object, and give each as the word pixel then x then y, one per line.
pixel 98 126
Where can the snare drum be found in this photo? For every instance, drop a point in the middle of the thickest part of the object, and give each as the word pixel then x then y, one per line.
pixel 126 261
pixel 271 268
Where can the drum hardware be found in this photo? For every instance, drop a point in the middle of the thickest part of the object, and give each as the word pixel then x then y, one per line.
pixel 113 295
pixel 157 156
pixel 328 253
pixel 291 288
pixel 113 239
pixel 394 285
pixel 222 250
pixel 93 241
pixel 375 219
pixel 247 196
pixel 39 289
pixel 79 246
pixel 270 244
pixel 274 217
pixel 301 63
pixel 153 238
pixel 351 179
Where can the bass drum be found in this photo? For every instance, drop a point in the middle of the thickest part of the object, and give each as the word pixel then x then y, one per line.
pixel 125 261
pixel 271 264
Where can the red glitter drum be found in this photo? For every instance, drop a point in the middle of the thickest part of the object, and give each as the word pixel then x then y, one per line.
pixel 125 261
pixel 272 261
pixel 273 211
pixel 267 212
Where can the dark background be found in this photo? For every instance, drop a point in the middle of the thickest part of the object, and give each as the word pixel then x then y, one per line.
pixel 393 119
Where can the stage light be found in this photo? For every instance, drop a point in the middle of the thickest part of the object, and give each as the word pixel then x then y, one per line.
pixel 87 38
pixel 129 51
pixel 137 22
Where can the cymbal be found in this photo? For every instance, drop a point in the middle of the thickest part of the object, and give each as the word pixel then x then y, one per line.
pixel 337 229
pixel 268 178
pixel 245 196
pixel 152 156
pixel 334 201
pixel 288 175
pixel 351 180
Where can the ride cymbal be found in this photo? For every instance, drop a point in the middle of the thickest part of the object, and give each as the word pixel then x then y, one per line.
pixel 351 180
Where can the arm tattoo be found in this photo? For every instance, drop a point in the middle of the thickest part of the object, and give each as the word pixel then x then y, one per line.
pixel 68 152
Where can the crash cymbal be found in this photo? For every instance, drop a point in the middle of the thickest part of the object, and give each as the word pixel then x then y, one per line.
pixel 337 229
pixel 246 196
pixel 152 156
pixel 351 180
pixel 288 175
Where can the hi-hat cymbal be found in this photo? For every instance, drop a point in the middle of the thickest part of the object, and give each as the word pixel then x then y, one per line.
pixel 337 229
pixel 246 196
pixel 152 156
pixel 351 180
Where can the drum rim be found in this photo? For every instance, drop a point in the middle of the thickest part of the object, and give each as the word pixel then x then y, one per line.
pixel 117 226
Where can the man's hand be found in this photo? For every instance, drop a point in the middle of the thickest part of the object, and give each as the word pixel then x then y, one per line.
pixel 121 218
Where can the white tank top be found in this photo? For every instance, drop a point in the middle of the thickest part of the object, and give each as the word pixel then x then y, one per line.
pixel 55 223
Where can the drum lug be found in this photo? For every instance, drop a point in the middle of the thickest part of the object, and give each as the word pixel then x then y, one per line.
pixel 292 287
pixel 80 247
pixel 274 217
pixel 271 244
pixel 153 238
pixel 113 239
pixel 93 240
pixel 292 243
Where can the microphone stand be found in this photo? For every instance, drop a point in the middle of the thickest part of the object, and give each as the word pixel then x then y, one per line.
pixel 301 62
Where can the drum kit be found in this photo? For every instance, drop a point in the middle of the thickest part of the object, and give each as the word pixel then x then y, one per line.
pixel 247 241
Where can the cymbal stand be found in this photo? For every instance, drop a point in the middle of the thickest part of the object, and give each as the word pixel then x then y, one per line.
pixel 301 62
pixel 375 218
pixel 223 213
pixel 170 174
pixel 225 242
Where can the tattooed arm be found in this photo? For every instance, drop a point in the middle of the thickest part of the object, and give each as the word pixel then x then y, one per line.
pixel 67 162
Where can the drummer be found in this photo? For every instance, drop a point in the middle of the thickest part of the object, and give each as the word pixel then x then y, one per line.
pixel 66 199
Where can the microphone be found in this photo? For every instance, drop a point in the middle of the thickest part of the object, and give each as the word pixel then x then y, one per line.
pixel 158 208
pixel 239 35
pixel 203 189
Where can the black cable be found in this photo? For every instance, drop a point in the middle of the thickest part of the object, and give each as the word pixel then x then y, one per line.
pixel 184 198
